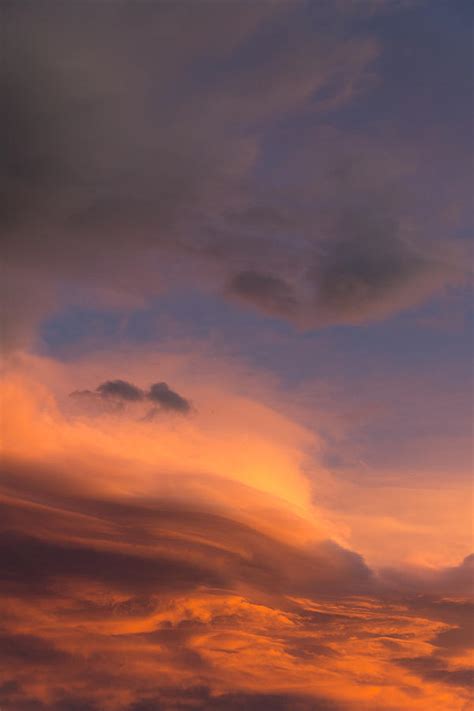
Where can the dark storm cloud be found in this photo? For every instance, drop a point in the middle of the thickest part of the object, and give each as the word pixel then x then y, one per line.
pixel 167 399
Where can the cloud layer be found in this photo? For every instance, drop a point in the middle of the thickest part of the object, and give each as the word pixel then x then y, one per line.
pixel 137 575
pixel 143 150
pixel 180 528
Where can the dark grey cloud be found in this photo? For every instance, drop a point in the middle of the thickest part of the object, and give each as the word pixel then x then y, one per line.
pixel 167 399
pixel 120 389
pixel 113 395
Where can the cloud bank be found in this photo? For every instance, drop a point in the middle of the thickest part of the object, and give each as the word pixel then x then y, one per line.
pixel 142 570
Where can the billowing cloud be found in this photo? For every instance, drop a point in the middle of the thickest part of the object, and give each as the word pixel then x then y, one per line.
pixel 143 567
pixel 433 669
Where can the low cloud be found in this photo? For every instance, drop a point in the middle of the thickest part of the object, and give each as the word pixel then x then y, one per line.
pixel 167 399
pixel 121 390
pixel 146 576
pixel 112 395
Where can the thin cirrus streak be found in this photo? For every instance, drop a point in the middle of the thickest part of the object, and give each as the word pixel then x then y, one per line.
pixel 236 356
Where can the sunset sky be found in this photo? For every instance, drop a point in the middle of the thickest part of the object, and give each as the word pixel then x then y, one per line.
pixel 236 379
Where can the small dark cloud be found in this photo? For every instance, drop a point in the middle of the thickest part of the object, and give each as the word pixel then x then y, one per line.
pixel 167 399
pixel 120 389
pixel 266 291
pixel 114 394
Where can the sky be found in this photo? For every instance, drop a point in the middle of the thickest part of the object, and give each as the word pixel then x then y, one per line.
pixel 236 373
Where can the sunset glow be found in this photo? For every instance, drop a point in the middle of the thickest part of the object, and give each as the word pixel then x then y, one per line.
pixel 236 380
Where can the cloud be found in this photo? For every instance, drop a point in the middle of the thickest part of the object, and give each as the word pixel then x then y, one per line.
pixel 29 650
pixel 433 669
pixel 368 269
pixel 443 580
pixel 361 254
pixel 168 399
pixel 120 389
pixel 112 395
pixel 132 586
pixel 268 292
pixel 194 184
pixel 201 698
pixel 147 575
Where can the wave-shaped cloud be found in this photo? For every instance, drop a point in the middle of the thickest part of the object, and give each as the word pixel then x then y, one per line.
pixel 155 580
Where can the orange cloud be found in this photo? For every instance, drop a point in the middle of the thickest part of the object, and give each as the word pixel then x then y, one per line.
pixel 180 563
